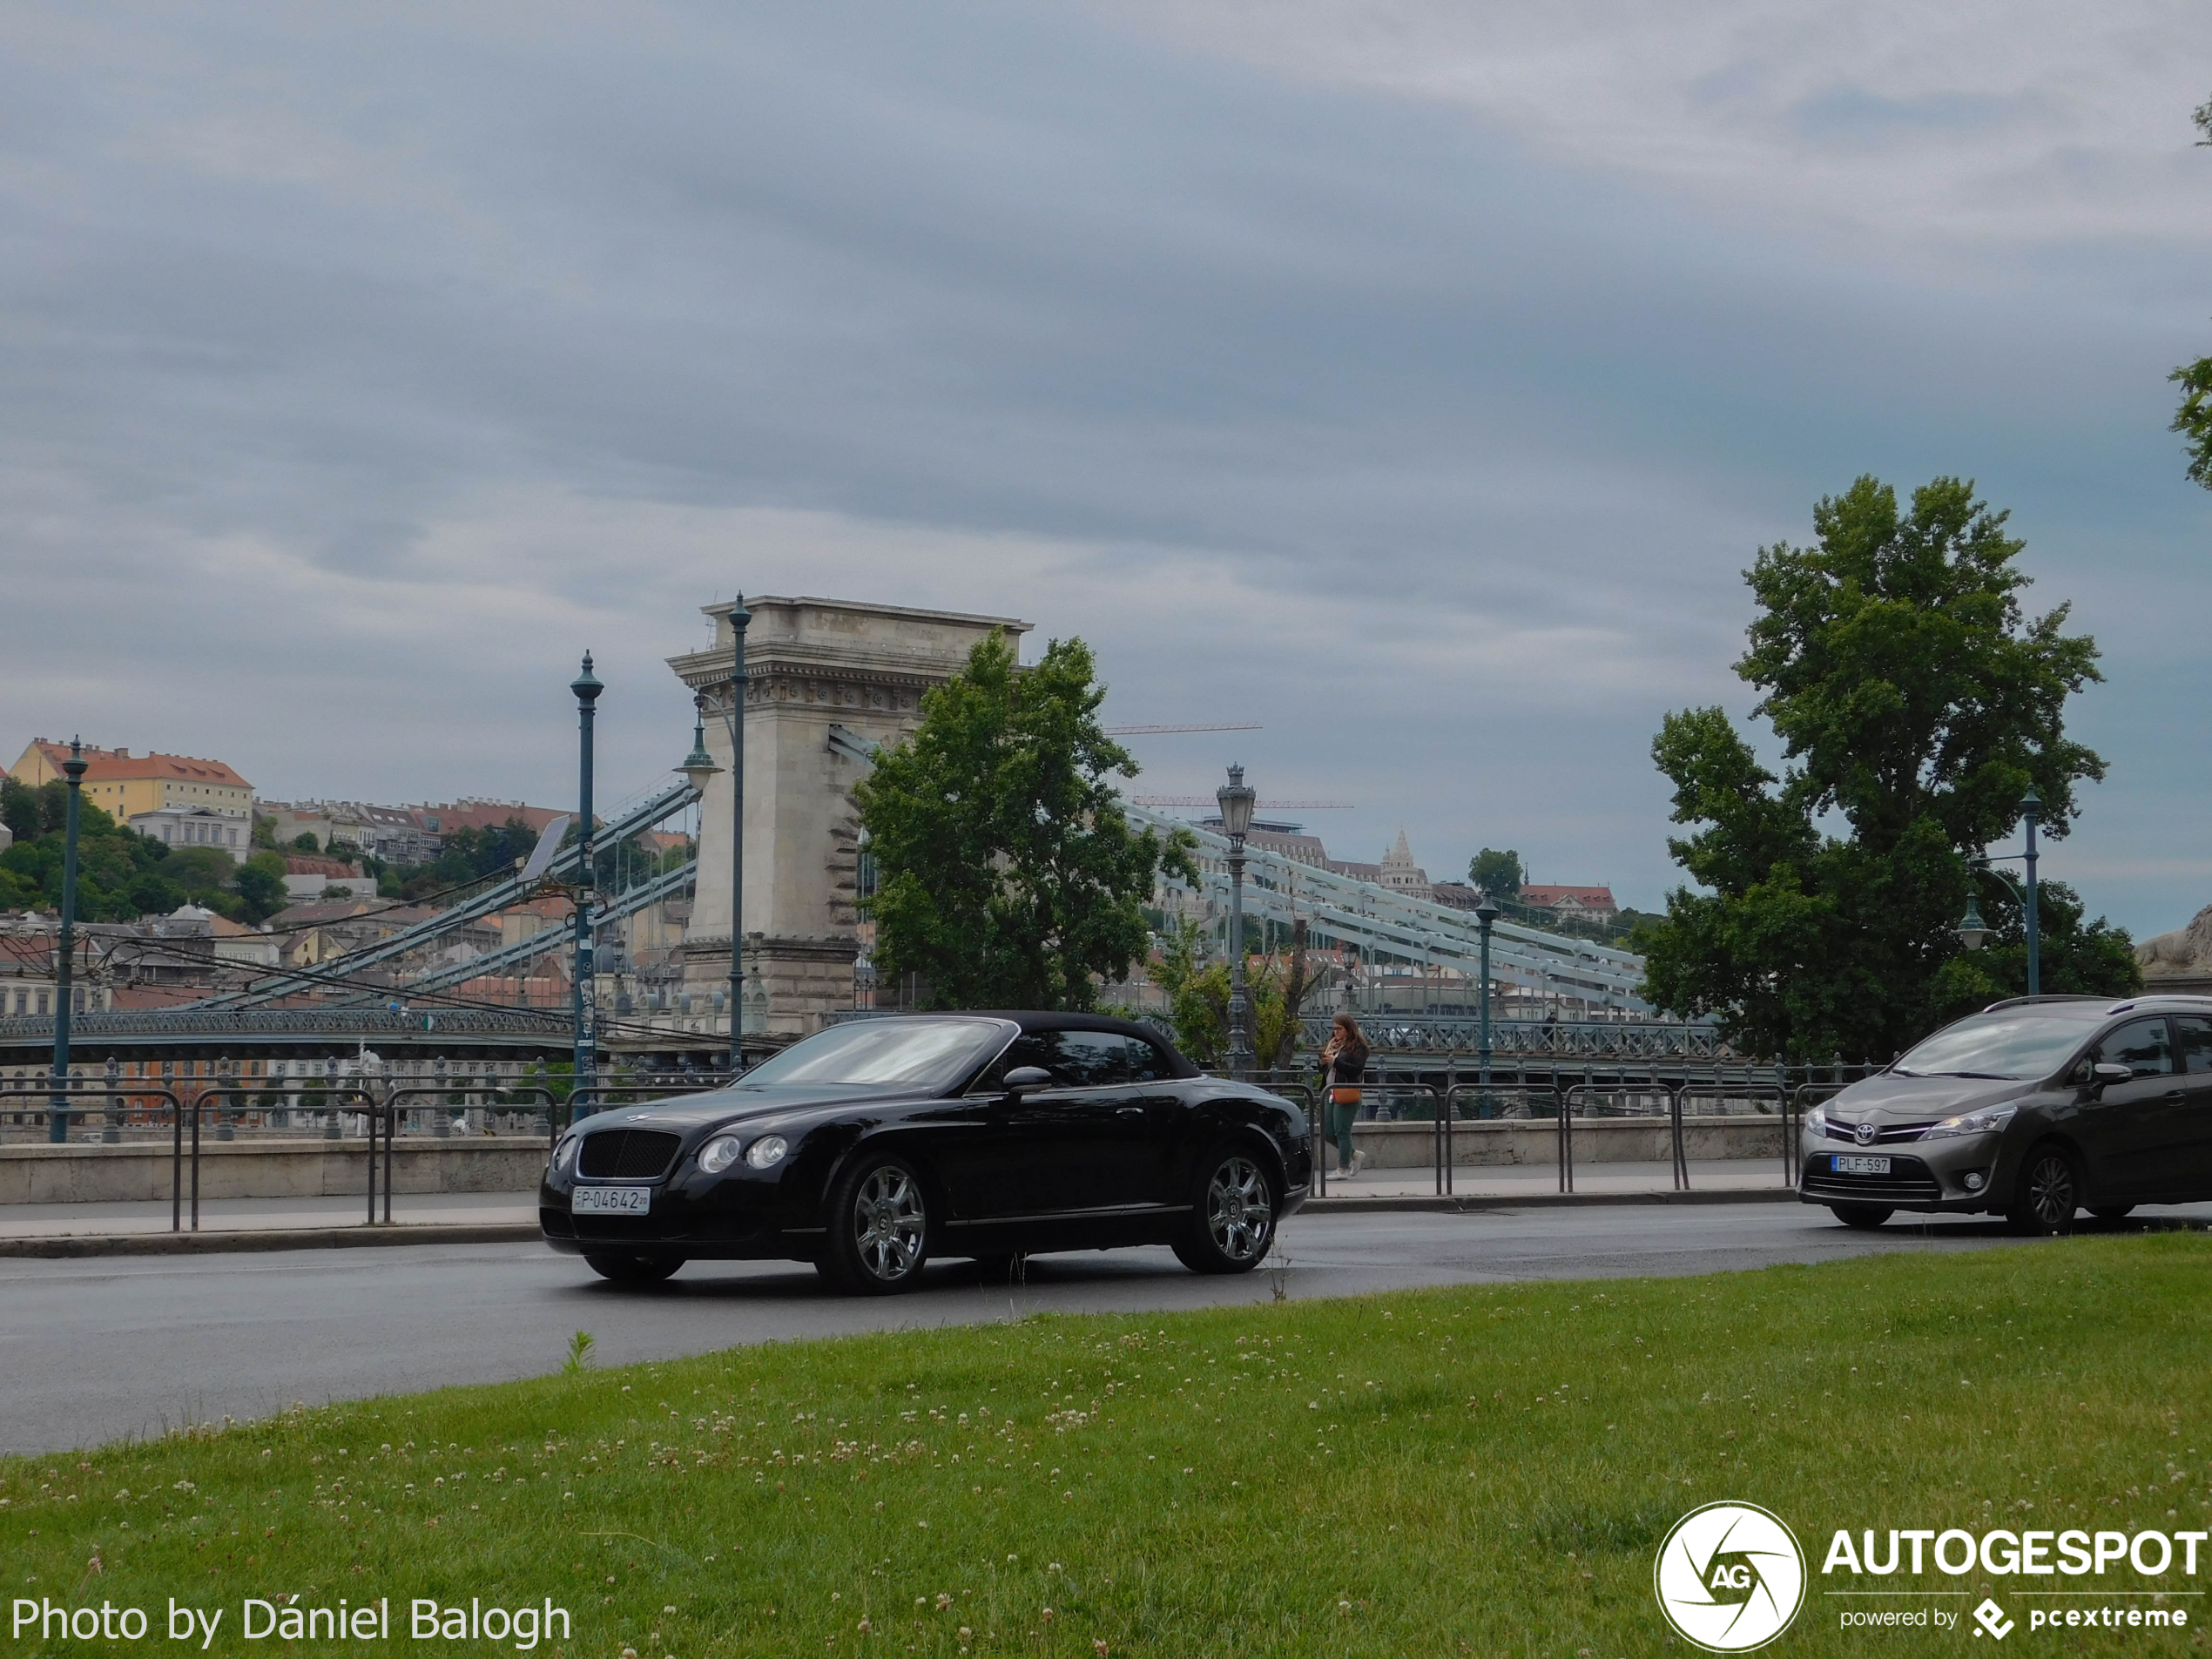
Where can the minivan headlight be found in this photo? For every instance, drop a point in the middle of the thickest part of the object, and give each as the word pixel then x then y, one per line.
pixel 767 1151
pixel 719 1154
pixel 1987 1121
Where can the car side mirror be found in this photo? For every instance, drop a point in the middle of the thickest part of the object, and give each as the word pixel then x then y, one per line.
pixel 2109 1071
pixel 1023 1078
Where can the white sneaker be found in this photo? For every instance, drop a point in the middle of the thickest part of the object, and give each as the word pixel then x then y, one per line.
pixel 1359 1162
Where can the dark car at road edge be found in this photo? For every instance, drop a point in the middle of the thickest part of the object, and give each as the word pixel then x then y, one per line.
pixel 877 1144
pixel 2032 1109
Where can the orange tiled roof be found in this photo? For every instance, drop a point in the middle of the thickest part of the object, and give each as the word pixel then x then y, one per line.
pixel 1547 896
pixel 57 752
pixel 113 768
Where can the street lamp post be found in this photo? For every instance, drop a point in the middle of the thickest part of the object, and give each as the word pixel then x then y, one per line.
pixel 587 688
pixel 1972 931
pixel 1236 797
pixel 1485 911
pixel 2031 809
pixel 739 617
pixel 66 970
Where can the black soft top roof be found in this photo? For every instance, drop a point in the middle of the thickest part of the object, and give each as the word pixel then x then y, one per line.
pixel 1040 1019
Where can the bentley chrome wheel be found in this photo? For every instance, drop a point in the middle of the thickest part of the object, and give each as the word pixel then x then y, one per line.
pixel 889 1224
pixel 1240 1211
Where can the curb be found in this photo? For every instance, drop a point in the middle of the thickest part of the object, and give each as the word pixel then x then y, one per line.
pixel 73 1244
pixel 1469 1204
pixel 66 1246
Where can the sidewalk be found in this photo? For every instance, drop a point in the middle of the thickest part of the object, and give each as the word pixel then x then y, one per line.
pixel 481 1217
pixel 444 1210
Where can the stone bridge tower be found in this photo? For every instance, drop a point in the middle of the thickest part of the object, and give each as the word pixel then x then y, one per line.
pixel 810 664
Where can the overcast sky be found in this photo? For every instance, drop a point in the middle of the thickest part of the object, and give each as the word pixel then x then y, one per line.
pixel 1415 379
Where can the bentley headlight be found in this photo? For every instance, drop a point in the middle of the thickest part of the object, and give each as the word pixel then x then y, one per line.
pixel 719 1154
pixel 564 1154
pixel 1987 1121
pixel 766 1152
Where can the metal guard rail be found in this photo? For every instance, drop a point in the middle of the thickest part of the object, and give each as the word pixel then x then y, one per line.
pixel 380 1106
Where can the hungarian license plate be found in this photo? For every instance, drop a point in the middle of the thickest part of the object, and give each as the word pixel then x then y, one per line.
pixel 638 1201
pixel 1845 1165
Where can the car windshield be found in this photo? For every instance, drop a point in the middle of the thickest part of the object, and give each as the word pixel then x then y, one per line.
pixel 926 1053
pixel 2015 1042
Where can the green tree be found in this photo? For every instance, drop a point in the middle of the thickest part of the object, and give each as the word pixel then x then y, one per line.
pixel 1497 874
pixel 33 812
pixel 260 885
pixel 471 855
pixel 200 869
pixel 111 858
pixel 151 893
pixel 2194 418
pixel 1198 1001
pixel 1915 704
pixel 1007 875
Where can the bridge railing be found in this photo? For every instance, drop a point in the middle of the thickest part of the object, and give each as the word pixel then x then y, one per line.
pixel 386 1112
pixel 1526 1093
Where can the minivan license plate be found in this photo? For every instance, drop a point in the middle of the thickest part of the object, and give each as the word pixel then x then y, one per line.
pixel 1861 1166
pixel 624 1201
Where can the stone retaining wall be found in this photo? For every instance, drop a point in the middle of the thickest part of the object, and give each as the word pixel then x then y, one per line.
pixel 267 1169
pixel 1601 1140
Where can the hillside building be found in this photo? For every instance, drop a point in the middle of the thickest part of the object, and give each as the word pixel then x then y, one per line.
pixel 127 786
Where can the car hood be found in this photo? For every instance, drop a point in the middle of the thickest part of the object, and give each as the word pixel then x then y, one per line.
pixel 770 1108
pixel 1891 1096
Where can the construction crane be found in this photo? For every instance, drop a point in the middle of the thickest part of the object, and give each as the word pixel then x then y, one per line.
pixel 1151 731
pixel 1269 805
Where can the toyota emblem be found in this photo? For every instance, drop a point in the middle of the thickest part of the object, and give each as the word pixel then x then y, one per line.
pixel 1866 1134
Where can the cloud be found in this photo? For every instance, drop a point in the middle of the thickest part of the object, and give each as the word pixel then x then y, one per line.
pixel 1981 120
pixel 1414 382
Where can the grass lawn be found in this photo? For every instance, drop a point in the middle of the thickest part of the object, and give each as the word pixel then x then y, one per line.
pixel 1483 1471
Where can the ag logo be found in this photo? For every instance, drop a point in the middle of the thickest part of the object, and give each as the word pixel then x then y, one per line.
pixel 1729 1577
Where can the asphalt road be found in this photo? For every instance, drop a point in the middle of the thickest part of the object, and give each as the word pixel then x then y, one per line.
pixel 95 1350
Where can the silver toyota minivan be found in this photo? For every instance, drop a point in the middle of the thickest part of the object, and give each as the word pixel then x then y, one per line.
pixel 2032 1109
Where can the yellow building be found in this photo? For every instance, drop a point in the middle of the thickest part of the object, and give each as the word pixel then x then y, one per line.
pixel 124 785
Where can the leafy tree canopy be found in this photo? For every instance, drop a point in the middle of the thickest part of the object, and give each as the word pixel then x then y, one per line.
pixel 1198 1000
pixel 2193 420
pixel 1007 874
pixel 1499 874
pixel 121 875
pixel 1915 704
pixel 467 854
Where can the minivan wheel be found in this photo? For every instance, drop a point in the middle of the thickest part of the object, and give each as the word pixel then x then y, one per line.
pixel 2048 1194
pixel 1865 1217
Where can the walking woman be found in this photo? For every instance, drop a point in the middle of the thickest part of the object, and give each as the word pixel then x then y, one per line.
pixel 1344 1065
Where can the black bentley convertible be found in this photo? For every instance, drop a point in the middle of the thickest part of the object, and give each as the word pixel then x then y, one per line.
pixel 873 1146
